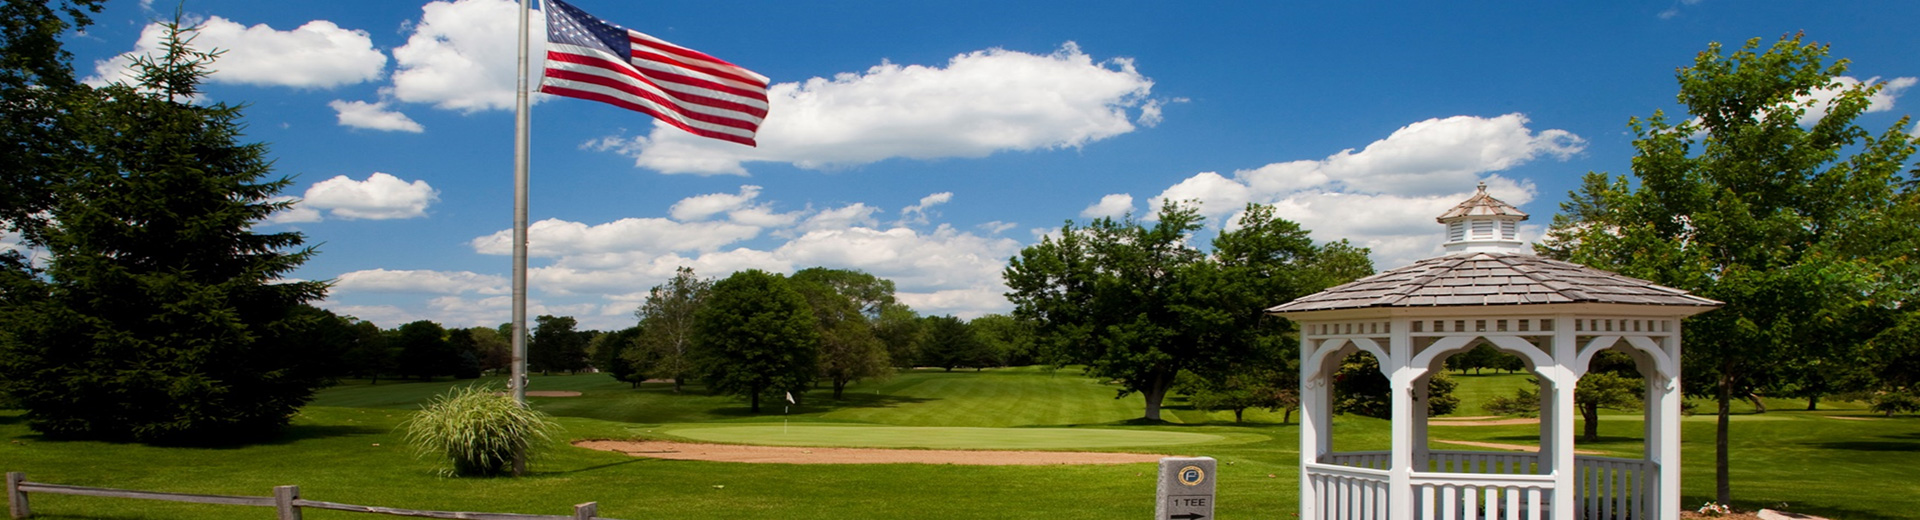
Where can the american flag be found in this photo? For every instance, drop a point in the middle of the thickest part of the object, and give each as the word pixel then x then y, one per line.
pixel 589 58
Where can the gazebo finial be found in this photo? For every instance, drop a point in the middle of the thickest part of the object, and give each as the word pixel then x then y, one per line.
pixel 1483 224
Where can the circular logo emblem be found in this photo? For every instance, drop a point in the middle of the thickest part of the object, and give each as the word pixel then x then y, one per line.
pixel 1192 475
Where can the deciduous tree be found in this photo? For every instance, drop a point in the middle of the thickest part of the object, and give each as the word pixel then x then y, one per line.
pixel 557 345
pixel 1137 304
pixel 667 323
pixel 756 338
pixel 1767 196
pixel 846 306
pixel 949 342
pixel 613 353
pixel 424 351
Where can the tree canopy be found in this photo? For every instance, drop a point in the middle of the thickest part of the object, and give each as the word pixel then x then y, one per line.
pixel 1137 304
pixel 558 345
pixel 846 308
pixel 1768 196
pixel 666 327
pixel 757 338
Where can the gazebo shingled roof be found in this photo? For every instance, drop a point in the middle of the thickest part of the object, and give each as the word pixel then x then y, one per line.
pixel 1491 279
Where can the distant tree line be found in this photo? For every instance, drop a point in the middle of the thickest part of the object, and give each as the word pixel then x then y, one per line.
pixel 763 336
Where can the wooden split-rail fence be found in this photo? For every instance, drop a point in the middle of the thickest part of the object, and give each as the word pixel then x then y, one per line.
pixel 285 501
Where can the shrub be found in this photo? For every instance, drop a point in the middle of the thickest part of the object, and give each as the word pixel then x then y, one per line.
pixel 1894 401
pixel 475 430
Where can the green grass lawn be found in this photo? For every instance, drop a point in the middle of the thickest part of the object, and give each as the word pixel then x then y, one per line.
pixel 946 437
pixel 344 448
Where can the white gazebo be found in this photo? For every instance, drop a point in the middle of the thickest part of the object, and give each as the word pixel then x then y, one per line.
pixel 1488 289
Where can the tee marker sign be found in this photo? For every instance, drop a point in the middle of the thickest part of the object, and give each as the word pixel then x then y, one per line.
pixel 1186 489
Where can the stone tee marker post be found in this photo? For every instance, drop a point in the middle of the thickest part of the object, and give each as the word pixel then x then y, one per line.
pixel 1186 489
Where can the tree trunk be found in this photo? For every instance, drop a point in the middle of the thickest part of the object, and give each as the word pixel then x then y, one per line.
pixel 1591 412
pixel 1813 402
pixel 1758 405
pixel 676 385
pixel 1287 416
pixel 838 387
pixel 1155 392
pixel 1237 414
pixel 756 400
pixel 1722 488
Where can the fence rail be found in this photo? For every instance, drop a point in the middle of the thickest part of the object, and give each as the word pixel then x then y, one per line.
pixel 285 500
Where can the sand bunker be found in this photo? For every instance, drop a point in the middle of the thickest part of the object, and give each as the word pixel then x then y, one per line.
pixel 797 455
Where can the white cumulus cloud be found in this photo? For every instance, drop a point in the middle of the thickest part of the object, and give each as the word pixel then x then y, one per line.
pixel 980 103
pixel 461 56
pixel 380 197
pixel 318 54
pixel 1385 195
pixel 739 207
pixel 918 213
pixel 1115 205
pixel 374 116
pixel 297 213
pixel 555 237
pixel 1819 102
pixel 437 282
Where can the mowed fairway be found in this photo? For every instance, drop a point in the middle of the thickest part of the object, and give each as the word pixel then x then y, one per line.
pixel 345 448
pixel 945 438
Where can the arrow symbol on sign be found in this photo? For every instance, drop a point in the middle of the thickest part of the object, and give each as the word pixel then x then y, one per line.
pixel 1188 516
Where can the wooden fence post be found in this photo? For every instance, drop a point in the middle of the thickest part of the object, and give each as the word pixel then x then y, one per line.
pixel 586 511
pixel 17 499
pixel 283 497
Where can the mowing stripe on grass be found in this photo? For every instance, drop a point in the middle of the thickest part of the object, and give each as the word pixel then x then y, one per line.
pixel 961 438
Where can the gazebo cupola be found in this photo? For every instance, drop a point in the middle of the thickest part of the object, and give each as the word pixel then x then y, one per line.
pixel 1483 223
pixel 1556 316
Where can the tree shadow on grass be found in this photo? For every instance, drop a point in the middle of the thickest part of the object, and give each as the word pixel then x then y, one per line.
pixel 1901 442
pixel 288 435
pixel 632 460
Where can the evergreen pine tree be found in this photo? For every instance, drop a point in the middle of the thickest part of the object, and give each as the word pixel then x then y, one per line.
pixel 161 315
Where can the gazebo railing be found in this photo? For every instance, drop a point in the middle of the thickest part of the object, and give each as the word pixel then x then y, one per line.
pixel 1481 496
pixel 1469 485
pixel 1613 488
pixel 1343 492
pixel 1379 460
pixel 1500 462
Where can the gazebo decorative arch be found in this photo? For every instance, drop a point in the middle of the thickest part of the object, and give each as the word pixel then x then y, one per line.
pixel 1555 315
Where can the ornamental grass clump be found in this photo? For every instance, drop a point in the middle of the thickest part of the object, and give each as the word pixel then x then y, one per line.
pixel 476 430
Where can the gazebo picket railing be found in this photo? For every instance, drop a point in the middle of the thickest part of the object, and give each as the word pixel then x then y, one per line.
pixel 1481 496
pixel 1348 493
pixel 1609 487
pixel 1474 485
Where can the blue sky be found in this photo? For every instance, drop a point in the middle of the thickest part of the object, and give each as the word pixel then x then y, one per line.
pixel 927 142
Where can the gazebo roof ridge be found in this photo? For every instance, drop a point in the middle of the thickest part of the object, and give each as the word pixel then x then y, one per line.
pixel 1487 278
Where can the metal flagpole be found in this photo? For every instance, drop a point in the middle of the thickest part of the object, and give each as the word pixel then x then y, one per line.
pixel 521 122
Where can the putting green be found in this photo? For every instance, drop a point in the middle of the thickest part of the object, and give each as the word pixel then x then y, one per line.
pixel 939 437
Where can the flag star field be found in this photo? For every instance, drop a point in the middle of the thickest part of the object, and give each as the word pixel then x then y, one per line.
pixel 928 142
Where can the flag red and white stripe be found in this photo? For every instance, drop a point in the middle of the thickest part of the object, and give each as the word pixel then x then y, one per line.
pixel 589 58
